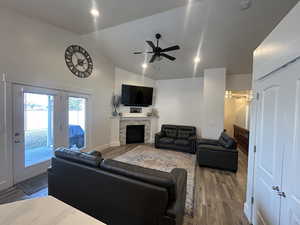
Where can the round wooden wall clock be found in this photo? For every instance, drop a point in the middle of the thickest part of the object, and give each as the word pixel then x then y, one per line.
pixel 79 61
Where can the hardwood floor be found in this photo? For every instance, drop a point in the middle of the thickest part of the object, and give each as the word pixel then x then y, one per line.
pixel 219 195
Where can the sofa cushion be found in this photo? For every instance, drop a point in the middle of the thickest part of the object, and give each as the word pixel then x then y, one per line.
pixel 169 130
pixel 182 142
pixel 147 175
pixel 78 157
pixel 166 140
pixel 204 141
pixel 186 132
pixel 210 147
pixel 226 141
pixel 172 133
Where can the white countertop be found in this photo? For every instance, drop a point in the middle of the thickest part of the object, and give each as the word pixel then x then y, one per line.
pixel 43 211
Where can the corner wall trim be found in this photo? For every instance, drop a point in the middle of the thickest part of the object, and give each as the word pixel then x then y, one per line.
pixel 247 212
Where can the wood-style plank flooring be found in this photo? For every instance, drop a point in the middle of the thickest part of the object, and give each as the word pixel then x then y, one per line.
pixel 219 195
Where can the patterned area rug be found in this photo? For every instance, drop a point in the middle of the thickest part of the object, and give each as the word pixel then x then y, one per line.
pixel 164 160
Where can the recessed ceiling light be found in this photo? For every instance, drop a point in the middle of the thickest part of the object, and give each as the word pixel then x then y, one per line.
pixel 245 4
pixel 197 59
pixel 144 65
pixel 94 12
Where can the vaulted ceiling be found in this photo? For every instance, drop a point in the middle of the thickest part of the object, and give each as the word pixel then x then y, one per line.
pixel 216 30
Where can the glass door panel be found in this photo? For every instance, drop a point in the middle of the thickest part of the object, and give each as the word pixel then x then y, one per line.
pixel 77 123
pixel 38 128
pixel 33 130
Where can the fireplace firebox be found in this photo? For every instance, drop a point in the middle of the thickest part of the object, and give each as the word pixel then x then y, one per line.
pixel 135 134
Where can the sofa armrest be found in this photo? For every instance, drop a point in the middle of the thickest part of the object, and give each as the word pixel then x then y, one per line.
pixel 176 208
pixel 205 141
pixel 193 142
pixel 159 134
pixel 193 138
pixel 156 139
pixel 217 149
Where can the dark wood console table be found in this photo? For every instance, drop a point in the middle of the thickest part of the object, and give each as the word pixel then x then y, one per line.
pixel 242 137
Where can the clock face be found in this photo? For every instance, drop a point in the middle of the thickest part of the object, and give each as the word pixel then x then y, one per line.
pixel 79 61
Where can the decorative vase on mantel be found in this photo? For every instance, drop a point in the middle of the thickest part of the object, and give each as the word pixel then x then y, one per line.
pixel 116 102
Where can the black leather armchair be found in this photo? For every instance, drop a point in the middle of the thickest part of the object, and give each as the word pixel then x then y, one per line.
pixel 118 193
pixel 181 138
pixel 220 154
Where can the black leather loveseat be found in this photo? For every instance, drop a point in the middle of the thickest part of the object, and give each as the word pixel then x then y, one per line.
pixel 117 193
pixel 220 154
pixel 181 138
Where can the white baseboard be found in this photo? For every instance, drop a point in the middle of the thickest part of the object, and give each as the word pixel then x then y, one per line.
pixel 247 212
pixel 115 144
pixel 101 147
pixel 4 185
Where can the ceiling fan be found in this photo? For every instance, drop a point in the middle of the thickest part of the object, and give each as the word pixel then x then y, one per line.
pixel 159 52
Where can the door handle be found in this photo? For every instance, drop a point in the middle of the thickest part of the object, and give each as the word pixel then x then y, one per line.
pixel 281 194
pixel 17 141
pixel 275 188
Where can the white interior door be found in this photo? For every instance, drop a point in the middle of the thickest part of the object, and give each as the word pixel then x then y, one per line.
pixel 33 130
pixel 291 179
pixel 268 168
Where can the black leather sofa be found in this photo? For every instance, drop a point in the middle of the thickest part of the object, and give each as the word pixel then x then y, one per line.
pixel 219 154
pixel 180 138
pixel 117 193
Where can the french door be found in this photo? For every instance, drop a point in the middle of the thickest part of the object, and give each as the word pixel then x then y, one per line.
pixel 43 120
pixel 270 149
pixel 291 179
pixel 277 183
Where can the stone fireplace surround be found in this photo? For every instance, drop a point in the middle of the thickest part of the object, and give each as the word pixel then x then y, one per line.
pixel 125 122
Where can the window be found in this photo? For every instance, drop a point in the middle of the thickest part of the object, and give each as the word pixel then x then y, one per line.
pixel 77 122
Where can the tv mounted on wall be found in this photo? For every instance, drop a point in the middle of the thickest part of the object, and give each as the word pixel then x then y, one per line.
pixel 136 95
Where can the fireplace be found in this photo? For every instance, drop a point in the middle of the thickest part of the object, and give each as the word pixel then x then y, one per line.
pixel 135 134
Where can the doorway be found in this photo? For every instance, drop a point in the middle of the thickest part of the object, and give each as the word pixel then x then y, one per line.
pixel 237 117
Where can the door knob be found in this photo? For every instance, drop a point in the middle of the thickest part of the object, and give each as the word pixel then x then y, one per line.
pixel 275 188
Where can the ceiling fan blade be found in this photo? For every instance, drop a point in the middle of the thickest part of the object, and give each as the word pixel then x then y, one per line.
pixel 136 53
pixel 150 43
pixel 173 48
pixel 168 56
pixel 153 58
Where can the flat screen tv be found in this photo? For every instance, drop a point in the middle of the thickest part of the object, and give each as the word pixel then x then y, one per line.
pixel 136 95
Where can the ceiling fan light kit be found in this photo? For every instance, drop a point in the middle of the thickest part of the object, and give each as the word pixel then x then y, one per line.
pixel 158 52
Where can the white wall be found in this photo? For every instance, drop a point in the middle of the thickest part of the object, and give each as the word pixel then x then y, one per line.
pixel 239 82
pixel 213 103
pixel 125 77
pixel 5 168
pixel 180 101
pixel 32 52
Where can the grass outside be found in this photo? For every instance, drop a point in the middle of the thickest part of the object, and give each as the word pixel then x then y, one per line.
pixel 36 138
